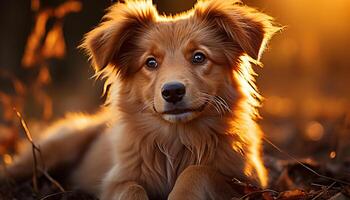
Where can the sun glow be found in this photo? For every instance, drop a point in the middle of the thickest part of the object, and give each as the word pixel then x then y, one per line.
pixel 7 159
pixel 249 132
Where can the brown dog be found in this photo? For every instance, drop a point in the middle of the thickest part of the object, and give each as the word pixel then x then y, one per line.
pixel 181 107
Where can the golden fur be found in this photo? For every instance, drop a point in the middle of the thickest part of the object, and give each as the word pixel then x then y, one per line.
pixel 132 149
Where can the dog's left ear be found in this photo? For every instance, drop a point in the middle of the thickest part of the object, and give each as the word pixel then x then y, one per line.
pixel 243 25
pixel 111 42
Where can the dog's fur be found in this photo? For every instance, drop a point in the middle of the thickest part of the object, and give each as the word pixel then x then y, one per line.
pixel 132 149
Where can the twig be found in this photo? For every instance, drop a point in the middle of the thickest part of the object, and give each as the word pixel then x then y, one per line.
pixel 323 191
pixel 47 175
pixel 323 186
pixel 53 181
pixel 35 163
pixel 55 194
pixel 318 185
pixel 34 148
pixel 305 166
pixel 259 192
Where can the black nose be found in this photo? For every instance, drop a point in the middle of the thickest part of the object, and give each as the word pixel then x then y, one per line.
pixel 173 92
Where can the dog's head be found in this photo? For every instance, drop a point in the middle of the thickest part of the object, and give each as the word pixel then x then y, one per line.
pixel 177 67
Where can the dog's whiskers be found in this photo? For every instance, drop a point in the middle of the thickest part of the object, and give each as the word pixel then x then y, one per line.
pixel 218 103
pixel 211 101
pixel 203 100
pixel 223 103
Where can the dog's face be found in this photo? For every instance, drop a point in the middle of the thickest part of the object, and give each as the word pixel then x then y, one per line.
pixel 177 67
pixel 180 69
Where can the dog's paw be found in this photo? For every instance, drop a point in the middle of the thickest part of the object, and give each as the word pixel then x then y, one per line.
pixel 124 191
pixel 134 192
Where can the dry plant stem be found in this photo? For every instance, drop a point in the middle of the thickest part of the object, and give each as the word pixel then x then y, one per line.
pixel 35 171
pixel 258 192
pixel 34 148
pixel 324 186
pixel 35 161
pixel 55 194
pixel 53 181
pixel 47 175
pixel 323 191
pixel 303 165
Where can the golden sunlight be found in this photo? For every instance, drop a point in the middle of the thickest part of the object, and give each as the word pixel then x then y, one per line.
pixel 252 134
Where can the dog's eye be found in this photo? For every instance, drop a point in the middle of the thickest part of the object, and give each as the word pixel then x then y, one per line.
pixel 151 63
pixel 198 58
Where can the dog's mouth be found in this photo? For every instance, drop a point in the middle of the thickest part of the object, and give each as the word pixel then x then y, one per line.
pixel 181 114
pixel 178 111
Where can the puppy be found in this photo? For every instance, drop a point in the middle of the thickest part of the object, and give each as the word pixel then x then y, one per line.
pixel 179 120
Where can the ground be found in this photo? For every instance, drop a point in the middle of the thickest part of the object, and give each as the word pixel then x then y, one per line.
pixel 290 180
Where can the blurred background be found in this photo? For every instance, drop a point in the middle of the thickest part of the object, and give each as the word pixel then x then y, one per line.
pixel 305 78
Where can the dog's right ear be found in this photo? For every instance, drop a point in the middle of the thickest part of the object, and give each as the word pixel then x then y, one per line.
pixel 245 26
pixel 110 42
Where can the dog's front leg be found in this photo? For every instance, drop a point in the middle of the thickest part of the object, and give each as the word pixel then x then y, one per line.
pixel 201 183
pixel 117 186
pixel 124 191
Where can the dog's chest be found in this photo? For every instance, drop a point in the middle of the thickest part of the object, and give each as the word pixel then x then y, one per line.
pixel 155 158
pixel 160 176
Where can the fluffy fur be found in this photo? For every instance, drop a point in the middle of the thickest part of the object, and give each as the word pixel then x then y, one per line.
pixel 132 149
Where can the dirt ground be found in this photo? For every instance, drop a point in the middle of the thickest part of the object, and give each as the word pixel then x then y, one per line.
pixel 289 180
